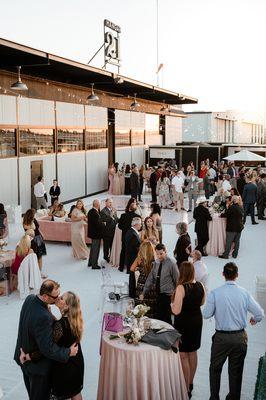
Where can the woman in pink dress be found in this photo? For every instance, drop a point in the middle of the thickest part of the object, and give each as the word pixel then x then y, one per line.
pixel 79 221
pixel 111 173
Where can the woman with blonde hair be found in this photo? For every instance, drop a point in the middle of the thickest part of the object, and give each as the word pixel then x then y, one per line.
pixel 66 378
pixel 22 250
pixel 149 233
pixel 79 221
pixel 189 297
pixel 143 265
pixel 37 243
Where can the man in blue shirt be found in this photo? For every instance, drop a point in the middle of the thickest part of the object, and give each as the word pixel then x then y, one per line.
pixel 229 305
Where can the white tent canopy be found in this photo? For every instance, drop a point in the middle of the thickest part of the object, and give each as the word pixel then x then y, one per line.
pixel 245 155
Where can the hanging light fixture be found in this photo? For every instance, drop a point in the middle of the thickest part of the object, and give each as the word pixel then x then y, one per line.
pixel 92 97
pixel 165 107
pixel 19 85
pixel 135 104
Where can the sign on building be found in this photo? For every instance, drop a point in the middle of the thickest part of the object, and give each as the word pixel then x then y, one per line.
pixel 111 44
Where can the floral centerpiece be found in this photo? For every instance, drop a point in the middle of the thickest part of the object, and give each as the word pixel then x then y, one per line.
pixel 217 208
pixel 3 243
pixel 137 330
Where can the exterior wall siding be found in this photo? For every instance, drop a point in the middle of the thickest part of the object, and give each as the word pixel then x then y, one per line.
pixel 8 181
pixel 71 174
pixel 97 170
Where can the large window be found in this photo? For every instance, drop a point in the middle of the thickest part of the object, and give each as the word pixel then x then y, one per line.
pixel 122 137
pixel 152 129
pixel 70 140
pixel 137 137
pixel 36 141
pixel 7 143
pixel 95 138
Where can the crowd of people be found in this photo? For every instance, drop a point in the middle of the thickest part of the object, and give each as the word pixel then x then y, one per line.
pixel 170 286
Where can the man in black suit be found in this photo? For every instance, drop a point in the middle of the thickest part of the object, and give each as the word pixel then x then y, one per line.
pixel 249 199
pixel 125 224
pixel 35 333
pixel 202 215
pixel 132 242
pixel 134 184
pixel 95 233
pixel 153 185
pixel 234 226
pixel 54 191
pixel 109 218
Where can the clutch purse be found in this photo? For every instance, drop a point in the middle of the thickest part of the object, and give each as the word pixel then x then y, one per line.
pixel 112 322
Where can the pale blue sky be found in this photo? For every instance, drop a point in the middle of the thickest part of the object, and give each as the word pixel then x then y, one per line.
pixel 213 50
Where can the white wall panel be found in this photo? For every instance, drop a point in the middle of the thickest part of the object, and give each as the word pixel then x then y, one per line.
pixel 96 117
pixel 36 112
pixel 97 170
pixel 8 110
pixel 71 175
pixel 25 177
pixel 8 181
pixel 138 155
pixel 123 154
pixel 69 114
pixel 173 130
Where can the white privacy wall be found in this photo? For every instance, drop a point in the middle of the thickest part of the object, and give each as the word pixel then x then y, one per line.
pixel 97 170
pixel 138 155
pixel 123 154
pixel 8 110
pixel 36 112
pixel 71 174
pixel 8 181
pixel 25 177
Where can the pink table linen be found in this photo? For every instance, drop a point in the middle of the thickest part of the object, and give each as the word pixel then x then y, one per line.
pixel 116 248
pixel 217 235
pixel 142 372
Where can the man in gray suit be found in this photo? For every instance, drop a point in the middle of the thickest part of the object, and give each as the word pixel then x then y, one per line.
pixel 35 333
pixel 110 219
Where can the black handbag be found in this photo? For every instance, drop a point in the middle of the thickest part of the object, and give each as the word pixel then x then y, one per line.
pixel 166 339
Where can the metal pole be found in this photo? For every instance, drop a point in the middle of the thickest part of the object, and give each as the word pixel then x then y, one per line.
pixel 157 38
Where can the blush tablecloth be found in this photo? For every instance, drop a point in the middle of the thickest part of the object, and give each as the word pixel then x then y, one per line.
pixel 142 372
pixel 116 248
pixel 217 235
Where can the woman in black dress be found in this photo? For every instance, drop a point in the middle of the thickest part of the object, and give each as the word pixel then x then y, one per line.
pixel 37 243
pixel 189 297
pixel 183 245
pixel 66 378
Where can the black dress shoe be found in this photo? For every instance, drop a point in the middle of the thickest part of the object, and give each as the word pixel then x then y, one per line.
pixel 222 256
pixel 89 265
pixel 97 267
pixel 255 223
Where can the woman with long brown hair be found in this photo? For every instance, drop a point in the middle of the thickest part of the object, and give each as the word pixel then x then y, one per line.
pixel 150 233
pixel 143 264
pixel 189 297
pixel 78 223
pixel 37 243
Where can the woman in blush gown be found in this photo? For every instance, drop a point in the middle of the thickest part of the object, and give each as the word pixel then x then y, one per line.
pixel 116 183
pixel 111 173
pixel 78 223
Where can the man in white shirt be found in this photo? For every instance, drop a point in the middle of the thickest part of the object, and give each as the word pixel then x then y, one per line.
pixel 178 184
pixel 39 192
pixel 226 184
pixel 201 272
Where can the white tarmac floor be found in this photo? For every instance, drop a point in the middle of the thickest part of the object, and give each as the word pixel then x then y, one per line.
pixel 74 275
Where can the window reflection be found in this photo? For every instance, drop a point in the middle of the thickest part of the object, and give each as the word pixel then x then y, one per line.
pixel 137 137
pixel 122 137
pixel 70 140
pixel 95 139
pixel 152 132
pixel 7 143
pixel 36 141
